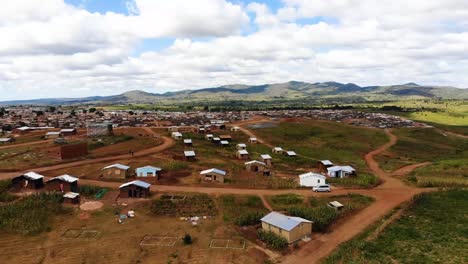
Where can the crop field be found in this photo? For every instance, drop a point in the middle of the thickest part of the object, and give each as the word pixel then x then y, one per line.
pixel 319 140
pixel 70 239
pixel 415 145
pixel 236 209
pixel 316 209
pixel 431 230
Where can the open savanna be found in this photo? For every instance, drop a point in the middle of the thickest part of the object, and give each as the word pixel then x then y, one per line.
pixel 448 155
pixel 431 230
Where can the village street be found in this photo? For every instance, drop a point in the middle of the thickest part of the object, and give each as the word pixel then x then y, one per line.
pixel 388 195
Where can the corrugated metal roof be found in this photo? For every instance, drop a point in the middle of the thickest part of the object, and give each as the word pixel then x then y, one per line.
pixel 291 153
pixel 265 156
pixel 311 174
pixel 138 183
pixel 283 221
pixel 189 153
pixel 326 162
pixel 224 142
pixel 243 152
pixel 71 195
pixel 118 166
pixel 66 178
pixel 33 176
pixel 148 168
pixel 341 168
pixel 255 162
pixel 187 141
pixel 213 170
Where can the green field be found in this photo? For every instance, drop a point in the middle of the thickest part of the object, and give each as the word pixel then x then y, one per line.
pixel 415 145
pixel 432 230
pixel 319 140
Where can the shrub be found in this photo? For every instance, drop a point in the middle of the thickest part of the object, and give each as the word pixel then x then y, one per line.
pixel 251 218
pixel 89 190
pixel 273 240
pixel 322 216
pixel 187 239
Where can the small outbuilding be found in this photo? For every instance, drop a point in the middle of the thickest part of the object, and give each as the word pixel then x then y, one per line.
pixel 209 136
pixel 67 132
pixel 176 135
pixel 148 171
pixel 71 198
pixel 241 146
pixel 235 129
pixel 225 138
pixel 224 143
pixel 242 154
pixel 7 140
pixel 311 179
pixel 134 189
pixel 213 175
pixel 188 142
pixel 216 140
pixel 266 159
pixel 323 165
pixel 336 205
pixel 63 183
pixel 253 140
pixel 30 180
pixel 277 150
pixel 173 129
pixel 289 227
pixel 52 135
pixel 190 155
pixel 116 171
pixel 291 154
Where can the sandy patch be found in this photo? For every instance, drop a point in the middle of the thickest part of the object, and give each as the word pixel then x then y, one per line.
pixel 91 206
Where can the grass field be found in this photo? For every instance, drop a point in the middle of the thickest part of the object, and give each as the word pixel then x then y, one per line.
pixel 431 230
pixel 448 154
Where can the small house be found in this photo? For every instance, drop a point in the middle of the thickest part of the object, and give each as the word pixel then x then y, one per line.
pixel 63 183
pixel 201 130
pixel 216 140
pixel 148 171
pixel 225 138
pixel 323 165
pixel 190 155
pixel 311 179
pixel 52 135
pixel 255 166
pixel 67 132
pixel 235 129
pixel 176 135
pixel 289 227
pixel 336 205
pixel 71 198
pixel 341 171
pixel 209 136
pixel 266 159
pixel 7 140
pixel 291 154
pixel 224 143
pixel 30 180
pixel 116 171
pixel 134 189
pixel 241 146
pixel 187 142
pixel 213 175
pixel 242 154
pixel 253 140
pixel 277 150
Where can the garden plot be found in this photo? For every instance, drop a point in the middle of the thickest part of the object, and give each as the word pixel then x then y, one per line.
pixel 82 233
pixel 159 241
pixel 220 243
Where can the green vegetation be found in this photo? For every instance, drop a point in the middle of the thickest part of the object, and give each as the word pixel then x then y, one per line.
pixel 431 230
pixel 192 205
pixel 322 216
pixel 361 181
pixel 89 190
pixel 415 145
pixel 32 214
pixel 242 210
pixel 281 202
pixel 272 240
pixel 317 140
pixel 4 195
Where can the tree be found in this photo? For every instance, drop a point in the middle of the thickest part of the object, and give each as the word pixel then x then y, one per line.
pixel 92 110
pixel 187 239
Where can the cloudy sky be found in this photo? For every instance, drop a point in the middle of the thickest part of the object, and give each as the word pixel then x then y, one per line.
pixel 75 48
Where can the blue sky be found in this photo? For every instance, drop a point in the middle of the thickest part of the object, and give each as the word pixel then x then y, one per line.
pixel 75 48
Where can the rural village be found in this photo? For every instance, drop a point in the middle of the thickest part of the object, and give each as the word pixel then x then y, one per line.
pixel 217 181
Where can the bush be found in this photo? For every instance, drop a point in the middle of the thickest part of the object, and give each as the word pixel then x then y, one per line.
pixel 251 218
pixel 89 190
pixel 273 240
pixel 322 216
pixel 187 239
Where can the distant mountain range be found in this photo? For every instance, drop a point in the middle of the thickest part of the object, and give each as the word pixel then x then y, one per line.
pixel 330 92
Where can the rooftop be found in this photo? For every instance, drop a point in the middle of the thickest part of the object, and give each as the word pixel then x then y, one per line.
pixel 283 221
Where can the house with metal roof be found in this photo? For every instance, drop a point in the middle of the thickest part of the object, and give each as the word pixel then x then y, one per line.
pixel 341 171
pixel 63 183
pixel 253 140
pixel 213 174
pixel 311 179
pixel 277 150
pixel 188 142
pixel 255 166
pixel 116 171
pixel 71 198
pixel 30 180
pixel 7 140
pixel 190 155
pixel 242 154
pixel 148 171
pixel 176 135
pixel 266 159
pixel 289 227
pixel 134 189
pixel 241 146
pixel 290 153
pixel 323 165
